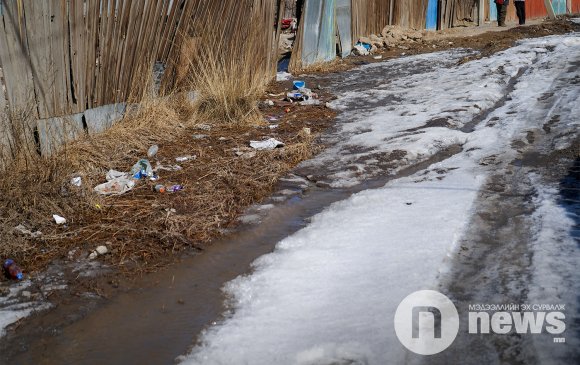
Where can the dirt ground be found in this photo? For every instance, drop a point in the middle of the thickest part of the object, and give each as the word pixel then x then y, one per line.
pixel 218 185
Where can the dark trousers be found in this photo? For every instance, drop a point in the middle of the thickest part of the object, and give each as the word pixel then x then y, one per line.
pixel 521 11
pixel 501 14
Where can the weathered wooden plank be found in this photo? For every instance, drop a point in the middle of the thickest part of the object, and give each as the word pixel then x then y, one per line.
pixel 92 21
pixel 78 50
pixel 59 54
pixel 40 58
pixel 5 130
pixel 15 60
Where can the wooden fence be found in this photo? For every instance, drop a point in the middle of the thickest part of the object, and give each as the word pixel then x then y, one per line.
pixel 66 57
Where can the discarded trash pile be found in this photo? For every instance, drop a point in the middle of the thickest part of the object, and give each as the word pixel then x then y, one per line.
pixel 132 205
pixel 390 37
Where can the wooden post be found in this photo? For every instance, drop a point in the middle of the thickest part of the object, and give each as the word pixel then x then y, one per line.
pixel 550 9
pixel 391 8
pixel 481 9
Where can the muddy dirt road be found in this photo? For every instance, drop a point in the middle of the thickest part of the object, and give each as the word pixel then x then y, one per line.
pixel 441 173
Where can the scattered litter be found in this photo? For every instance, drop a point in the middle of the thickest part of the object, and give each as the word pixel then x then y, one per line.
pixel 273 118
pixel 361 50
pixel 168 168
pixel 58 219
pixel 12 270
pixel 114 174
pixel 152 151
pixel 298 84
pixel 200 136
pixel 283 76
pixel 287 110
pixel 307 131
pixel 93 255
pixel 185 158
pixel 174 188
pixel 273 126
pixel 117 186
pixel 102 250
pixel 245 152
pixel 328 105
pixel 295 96
pixel 379 57
pixel 269 102
pixel 76 181
pixel 170 189
pixel 25 231
pixel 310 102
pixel 268 144
pixel 203 127
pixel 142 170
pixel 222 139
pixel 307 93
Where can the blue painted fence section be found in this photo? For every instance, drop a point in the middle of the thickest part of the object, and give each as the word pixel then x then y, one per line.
pixel 319 30
pixel 492 11
pixel 559 6
pixel 431 22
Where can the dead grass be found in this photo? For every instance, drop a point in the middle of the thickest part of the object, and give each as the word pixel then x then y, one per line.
pixel 229 73
pixel 143 228
pixel 336 65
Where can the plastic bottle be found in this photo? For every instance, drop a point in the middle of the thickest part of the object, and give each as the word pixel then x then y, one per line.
pixel 12 270
pixel 159 188
pixel 174 188
pixel 152 151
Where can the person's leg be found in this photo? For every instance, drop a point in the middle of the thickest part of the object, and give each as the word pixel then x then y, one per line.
pixel 502 15
pixel 523 20
pixel 498 7
pixel 518 5
pixel 518 10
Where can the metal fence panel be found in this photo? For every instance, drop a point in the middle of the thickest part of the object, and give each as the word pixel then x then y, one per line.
pixel 319 21
pixel 344 24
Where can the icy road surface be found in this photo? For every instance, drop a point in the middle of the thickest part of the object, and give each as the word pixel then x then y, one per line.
pixel 328 294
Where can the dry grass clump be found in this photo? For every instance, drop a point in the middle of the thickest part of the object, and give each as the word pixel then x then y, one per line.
pixel 335 65
pixel 229 72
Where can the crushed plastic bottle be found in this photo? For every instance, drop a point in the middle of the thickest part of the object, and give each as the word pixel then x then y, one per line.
pixel 12 270
pixel 152 151
pixel 142 169
pixel 174 188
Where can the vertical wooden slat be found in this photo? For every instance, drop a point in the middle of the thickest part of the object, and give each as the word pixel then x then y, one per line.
pixel 78 50
pixel 15 60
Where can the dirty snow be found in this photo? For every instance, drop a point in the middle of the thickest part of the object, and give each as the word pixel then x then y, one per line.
pixel 404 110
pixel 328 293
pixel 555 252
pixel 12 308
